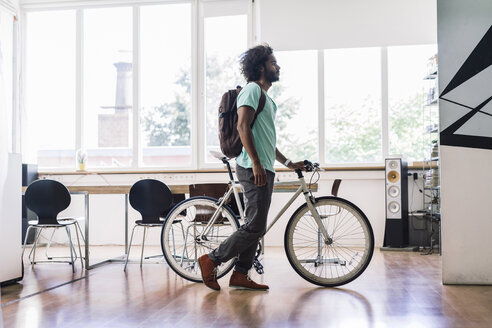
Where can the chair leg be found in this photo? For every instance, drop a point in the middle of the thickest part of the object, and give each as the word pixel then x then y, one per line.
pixel 183 232
pixel 33 250
pixel 36 232
pixel 25 241
pixel 174 242
pixel 185 249
pixel 77 228
pixel 129 247
pixel 71 247
pixel 143 245
pixel 81 233
pixel 49 245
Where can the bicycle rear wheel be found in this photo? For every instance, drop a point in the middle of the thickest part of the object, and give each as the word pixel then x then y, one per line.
pixel 180 236
pixel 339 260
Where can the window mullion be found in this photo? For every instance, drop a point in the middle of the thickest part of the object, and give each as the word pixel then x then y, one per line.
pixel 321 108
pixel 79 79
pixel 198 113
pixel 137 149
pixel 384 102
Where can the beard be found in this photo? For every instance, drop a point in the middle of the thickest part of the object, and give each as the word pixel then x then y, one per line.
pixel 272 76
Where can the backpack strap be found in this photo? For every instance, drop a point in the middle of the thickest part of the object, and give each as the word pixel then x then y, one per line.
pixel 261 105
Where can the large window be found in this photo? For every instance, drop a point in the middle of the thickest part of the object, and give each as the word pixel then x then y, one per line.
pixel 165 50
pixel 225 39
pixel 406 96
pixel 139 87
pixel 50 82
pixel 108 87
pixel 296 96
pixel 353 105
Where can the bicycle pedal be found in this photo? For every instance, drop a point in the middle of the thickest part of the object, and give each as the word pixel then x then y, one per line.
pixel 258 266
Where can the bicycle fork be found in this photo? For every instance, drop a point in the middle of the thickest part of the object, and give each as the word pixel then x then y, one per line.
pixel 323 236
pixel 323 239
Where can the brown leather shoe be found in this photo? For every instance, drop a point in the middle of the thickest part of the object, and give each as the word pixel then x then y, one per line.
pixel 243 281
pixel 209 272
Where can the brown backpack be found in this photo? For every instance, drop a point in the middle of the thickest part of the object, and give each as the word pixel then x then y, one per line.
pixel 230 142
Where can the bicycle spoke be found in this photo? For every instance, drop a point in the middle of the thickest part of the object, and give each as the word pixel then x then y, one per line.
pixel 187 243
pixel 333 262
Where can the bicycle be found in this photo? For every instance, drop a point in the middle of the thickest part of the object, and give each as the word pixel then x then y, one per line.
pixel 328 240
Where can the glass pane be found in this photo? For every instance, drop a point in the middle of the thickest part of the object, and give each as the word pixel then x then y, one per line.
pixel 353 105
pixel 50 88
pixel 407 67
pixel 166 85
pixel 225 39
pixel 296 96
pixel 108 87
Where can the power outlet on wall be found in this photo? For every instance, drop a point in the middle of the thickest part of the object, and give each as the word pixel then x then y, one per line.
pixel 181 177
pixel 282 176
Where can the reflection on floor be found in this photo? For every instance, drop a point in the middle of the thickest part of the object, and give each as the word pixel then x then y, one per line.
pixel 399 289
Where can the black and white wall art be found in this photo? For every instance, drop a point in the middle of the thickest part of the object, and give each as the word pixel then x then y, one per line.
pixel 471 90
pixel 464 33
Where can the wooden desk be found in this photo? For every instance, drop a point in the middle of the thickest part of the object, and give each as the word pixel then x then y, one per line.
pixel 125 190
pixel 175 189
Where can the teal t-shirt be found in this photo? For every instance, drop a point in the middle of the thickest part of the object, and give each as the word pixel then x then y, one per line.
pixel 264 135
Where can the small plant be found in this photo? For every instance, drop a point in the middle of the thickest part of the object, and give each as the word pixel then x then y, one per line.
pixel 81 158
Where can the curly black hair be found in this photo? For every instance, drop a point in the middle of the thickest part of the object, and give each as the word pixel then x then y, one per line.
pixel 253 60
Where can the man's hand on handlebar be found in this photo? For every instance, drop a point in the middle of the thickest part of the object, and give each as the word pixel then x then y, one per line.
pixel 297 166
pixel 310 167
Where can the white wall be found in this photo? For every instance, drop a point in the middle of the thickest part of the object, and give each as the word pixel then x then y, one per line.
pixel 325 24
pixel 466 175
pixel 10 179
pixel 466 215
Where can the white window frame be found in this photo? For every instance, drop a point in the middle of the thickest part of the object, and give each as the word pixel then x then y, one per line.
pixel 321 113
pixel 200 9
pixel 79 7
pixel 207 9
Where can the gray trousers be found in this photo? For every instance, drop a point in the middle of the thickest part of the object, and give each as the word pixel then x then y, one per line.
pixel 244 242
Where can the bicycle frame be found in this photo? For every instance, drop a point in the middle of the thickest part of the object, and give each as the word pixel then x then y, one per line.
pixel 328 240
pixel 302 189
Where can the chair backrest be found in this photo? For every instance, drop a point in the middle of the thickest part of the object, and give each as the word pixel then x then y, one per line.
pixel 150 198
pixel 214 190
pixel 47 198
pixel 177 198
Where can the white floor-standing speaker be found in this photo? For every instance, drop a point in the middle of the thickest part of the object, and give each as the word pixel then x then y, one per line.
pixel 396 184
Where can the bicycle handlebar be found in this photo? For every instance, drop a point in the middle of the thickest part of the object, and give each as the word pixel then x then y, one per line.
pixel 308 167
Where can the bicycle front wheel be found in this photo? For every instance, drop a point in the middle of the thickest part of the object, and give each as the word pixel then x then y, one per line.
pixel 340 259
pixel 183 239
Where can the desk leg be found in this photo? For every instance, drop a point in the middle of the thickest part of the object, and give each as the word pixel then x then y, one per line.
pixel 126 224
pixel 86 197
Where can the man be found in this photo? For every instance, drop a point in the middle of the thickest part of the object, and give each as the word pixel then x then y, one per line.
pixel 254 170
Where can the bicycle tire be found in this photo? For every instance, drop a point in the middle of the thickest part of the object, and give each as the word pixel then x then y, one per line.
pixel 337 263
pixel 187 215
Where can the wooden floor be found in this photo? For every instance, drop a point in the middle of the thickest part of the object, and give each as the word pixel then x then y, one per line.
pixel 399 289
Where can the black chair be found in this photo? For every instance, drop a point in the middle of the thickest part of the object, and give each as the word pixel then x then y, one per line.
pixel 153 200
pixel 177 198
pixel 47 198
